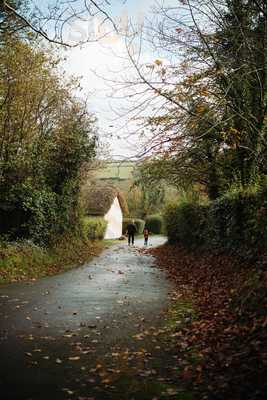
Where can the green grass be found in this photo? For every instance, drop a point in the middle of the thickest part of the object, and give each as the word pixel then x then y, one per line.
pixel 116 170
pixel 178 313
pixel 25 261
pixel 119 174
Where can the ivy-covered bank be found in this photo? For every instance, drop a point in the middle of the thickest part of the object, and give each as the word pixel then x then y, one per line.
pixel 24 261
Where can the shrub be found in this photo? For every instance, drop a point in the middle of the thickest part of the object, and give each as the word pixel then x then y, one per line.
pixel 236 221
pixel 39 214
pixel 154 223
pixel 186 223
pixel 94 228
pixel 139 223
pixel 239 219
pixel 225 222
pixel 36 213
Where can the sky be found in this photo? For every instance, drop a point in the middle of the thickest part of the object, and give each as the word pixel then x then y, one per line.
pixel 93 61
pixel 103 58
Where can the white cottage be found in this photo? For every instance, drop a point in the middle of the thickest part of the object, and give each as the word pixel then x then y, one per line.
pixel 107 202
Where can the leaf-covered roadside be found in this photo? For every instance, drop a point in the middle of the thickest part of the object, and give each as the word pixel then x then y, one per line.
pixel 229 333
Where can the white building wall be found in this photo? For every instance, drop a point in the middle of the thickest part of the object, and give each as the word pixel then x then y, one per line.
pixel 114 219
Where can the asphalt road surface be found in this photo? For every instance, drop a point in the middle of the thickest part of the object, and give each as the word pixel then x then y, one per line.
pixel 62 337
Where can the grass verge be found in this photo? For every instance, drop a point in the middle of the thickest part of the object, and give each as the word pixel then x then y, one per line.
pixel 23 261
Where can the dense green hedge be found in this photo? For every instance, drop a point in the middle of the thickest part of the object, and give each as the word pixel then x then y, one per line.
pixel 238 219
pixel 139 223
pixel 154 223
pixel 234 221
pixel 185 223
pixel 94 228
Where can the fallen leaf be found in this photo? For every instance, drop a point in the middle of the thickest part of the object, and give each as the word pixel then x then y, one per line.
pixel 76 358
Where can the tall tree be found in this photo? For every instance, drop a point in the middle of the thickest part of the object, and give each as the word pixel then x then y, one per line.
pixel 218 57
pixel 240 50
pixel 57 22
pixel 10 24
pixel 47 137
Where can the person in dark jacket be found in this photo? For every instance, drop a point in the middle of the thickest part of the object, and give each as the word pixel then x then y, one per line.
pixel 131 231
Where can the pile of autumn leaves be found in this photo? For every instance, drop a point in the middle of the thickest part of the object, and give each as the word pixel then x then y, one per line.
pixel 228 334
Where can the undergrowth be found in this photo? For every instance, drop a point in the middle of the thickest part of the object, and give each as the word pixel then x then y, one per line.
pixel 23 260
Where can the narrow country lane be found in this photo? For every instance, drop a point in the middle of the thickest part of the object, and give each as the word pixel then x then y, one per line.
pixel 68 336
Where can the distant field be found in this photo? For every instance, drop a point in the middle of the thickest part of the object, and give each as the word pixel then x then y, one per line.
pixel 121 170
pixel 120 174
pixel 117 173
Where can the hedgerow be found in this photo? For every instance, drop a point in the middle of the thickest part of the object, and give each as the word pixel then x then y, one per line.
pixel 154 223
pixel 139 223
pixel 235 221
pixel 94 228
pixel 185 223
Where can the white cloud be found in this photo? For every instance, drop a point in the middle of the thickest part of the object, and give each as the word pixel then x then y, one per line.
pixel 107 58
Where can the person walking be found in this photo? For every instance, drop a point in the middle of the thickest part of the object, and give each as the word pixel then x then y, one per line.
pixel 146 234
pixel 131 231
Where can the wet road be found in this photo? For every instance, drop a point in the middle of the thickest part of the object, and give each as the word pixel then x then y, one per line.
pixel 100 306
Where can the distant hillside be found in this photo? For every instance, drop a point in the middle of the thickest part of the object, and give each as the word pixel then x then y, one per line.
pixel 119 173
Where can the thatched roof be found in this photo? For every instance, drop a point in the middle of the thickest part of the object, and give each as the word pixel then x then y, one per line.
pixel 99 198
